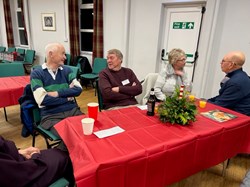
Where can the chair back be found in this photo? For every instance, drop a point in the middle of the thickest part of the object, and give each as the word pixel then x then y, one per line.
pixel 99 96
pixel 11 49
pixel 62 182
pixel 20 51
pixel 68 59
pixel 29 57
pixel 2 49
pixel 83 63
pixel 99 65
pixel 11 69
pixel 75 70
pixel 36 116
pixel 147 84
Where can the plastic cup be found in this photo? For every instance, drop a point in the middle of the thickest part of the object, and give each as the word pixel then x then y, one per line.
pixel 202 103
pixel 87 125
pixel 191 97
pixel 93 110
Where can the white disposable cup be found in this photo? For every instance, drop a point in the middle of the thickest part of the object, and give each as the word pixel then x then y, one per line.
pixel 87 125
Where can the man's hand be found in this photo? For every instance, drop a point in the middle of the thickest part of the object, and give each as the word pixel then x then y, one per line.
pixel 28 152
pixel 71 85
pixel 115 89
pixel 53 94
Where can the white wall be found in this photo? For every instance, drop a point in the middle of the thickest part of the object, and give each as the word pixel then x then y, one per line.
pixel 225 28
pixel 41 38
pixel 3 37
pixel 232 33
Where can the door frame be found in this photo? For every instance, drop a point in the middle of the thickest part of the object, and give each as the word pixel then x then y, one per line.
pixel 201 76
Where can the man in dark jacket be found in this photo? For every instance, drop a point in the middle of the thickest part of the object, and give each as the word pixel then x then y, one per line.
pixel 235 87
pixel 32 167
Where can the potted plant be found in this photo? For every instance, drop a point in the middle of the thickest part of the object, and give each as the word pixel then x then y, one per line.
pixel 178 109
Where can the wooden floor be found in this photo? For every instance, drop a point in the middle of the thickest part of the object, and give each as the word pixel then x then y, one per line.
pixel 211 177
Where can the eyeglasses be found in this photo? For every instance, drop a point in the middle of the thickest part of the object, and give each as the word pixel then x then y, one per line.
pixel 228 61
pixel 181 60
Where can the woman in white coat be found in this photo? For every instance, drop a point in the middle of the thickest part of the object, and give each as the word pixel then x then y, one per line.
pixel 172 75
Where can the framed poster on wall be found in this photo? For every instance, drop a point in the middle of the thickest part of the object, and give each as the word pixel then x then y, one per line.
pixel 48 22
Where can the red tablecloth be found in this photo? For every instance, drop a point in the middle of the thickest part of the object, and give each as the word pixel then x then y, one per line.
pixel 150 153
pixel 11 89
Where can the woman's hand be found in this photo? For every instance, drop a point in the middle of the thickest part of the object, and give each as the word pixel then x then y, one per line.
pixel 179 72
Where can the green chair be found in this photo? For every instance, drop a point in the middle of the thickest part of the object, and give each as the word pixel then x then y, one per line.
pixel 10 70
pixel 50 139
pixel 99 95
pixel 62 182
pixel 2 49
pixel 68 59
pixel 29 59
pixel 98 66
pixel 75 69
pixel 11 49
pixel 20 51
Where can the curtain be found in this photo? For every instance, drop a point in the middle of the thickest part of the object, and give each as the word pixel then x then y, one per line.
pixel 25 32
pixel 8 22
pixel 74 28
pixel 98 29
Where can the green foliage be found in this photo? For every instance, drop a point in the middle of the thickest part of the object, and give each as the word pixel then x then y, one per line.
pixel 177 110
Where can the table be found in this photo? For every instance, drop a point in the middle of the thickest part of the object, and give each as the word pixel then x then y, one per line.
pixel 11 89
pixel 150 153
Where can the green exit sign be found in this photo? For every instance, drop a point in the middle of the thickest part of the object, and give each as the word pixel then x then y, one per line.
pixel 183 25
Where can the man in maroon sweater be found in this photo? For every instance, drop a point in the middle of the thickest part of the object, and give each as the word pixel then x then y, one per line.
pixel 118 85
pixel 31 166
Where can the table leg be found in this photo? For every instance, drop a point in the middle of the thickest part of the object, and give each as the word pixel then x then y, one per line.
pixel 5 114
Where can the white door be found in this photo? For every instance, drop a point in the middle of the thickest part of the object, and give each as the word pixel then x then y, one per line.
pixel 182 28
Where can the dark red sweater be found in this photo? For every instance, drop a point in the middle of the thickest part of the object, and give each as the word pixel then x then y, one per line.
pixel 124 78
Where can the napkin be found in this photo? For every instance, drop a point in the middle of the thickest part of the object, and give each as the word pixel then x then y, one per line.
pixel 109 132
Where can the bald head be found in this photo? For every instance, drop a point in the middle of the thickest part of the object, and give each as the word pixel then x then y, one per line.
pixel 232 61
pixel 55 54
pixel 52 47
pixel 237 57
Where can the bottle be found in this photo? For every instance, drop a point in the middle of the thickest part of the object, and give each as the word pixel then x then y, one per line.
pixel 151 103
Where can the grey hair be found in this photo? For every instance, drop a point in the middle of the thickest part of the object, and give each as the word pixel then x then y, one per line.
pixel 175 54
pixel 51 47
pixel 116 52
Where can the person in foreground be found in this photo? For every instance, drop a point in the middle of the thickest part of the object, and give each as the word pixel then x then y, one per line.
pixel 118 85
pixel 31 166
pixel 172 75
pixel 54 87
pixel 235 87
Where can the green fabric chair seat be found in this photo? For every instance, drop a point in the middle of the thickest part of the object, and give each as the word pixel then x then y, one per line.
pixel 89 76
pixel 48 133
pixel 62 182
pixel 98 66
